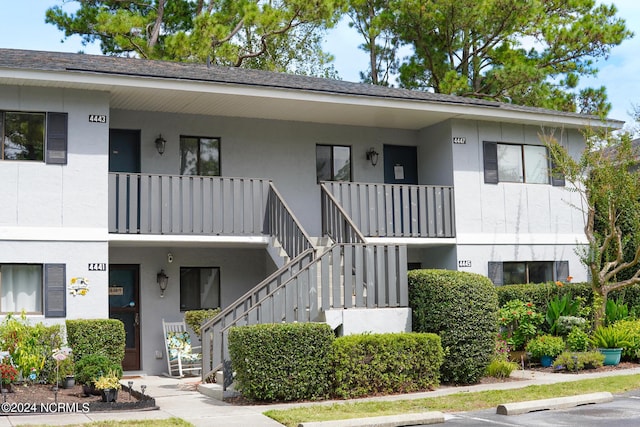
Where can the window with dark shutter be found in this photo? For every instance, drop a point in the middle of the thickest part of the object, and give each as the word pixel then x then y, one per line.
pixel 490 162
pixel 496 273
pixel 56 138
pixel 55 295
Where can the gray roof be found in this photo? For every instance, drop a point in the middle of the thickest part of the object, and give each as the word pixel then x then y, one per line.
pixel 74 62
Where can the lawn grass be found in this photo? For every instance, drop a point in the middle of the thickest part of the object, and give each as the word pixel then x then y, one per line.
pixel 453 403
pixel 168 422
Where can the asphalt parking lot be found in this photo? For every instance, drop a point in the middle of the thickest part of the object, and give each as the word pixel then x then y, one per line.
pixel 622 412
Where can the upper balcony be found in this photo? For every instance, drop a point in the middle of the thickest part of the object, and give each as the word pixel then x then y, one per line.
pixel 390 210
pixel 217 206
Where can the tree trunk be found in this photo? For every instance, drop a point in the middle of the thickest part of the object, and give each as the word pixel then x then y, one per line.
pixel 600 307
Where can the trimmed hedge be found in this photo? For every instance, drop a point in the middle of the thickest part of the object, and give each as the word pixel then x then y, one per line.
pixel 386 363
pixel 462 308
pixel 195 318
pixel 282 361
pixel 96 336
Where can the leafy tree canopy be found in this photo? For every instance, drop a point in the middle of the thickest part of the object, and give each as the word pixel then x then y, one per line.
pixel 279 35
pixel 529 52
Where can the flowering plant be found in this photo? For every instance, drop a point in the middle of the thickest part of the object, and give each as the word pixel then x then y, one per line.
pixel 519 323
pixel 8 373
pixel 79 286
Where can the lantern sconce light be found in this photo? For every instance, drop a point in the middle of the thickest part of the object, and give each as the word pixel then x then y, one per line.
pixel 163 281
pixel 160 144
pixel 372 155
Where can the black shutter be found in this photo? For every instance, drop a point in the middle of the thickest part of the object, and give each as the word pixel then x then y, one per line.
pixel 562 270
pixel 490 162
pixel 56 138
pixel 496 273
pixel 557 179
pixel 55 295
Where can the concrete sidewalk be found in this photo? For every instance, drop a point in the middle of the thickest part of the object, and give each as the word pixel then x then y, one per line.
pixel 179 398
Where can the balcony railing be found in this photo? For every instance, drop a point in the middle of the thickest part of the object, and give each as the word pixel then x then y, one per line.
pixel 392 210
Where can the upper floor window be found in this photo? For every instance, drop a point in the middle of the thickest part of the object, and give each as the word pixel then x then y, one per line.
pixel 199 288
pixel 21 288
pixel 33 136
pixel 333 163
pixel 199 156
pixel 517 163
pixel 22 136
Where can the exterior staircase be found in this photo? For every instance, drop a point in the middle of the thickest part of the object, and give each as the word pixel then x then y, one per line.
pixel 341 271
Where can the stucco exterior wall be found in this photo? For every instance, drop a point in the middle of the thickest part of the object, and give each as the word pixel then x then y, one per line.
pixel 512 221
pixel 240 270
pixel 70 196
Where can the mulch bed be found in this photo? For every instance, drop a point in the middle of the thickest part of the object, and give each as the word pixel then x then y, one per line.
pixel 41 396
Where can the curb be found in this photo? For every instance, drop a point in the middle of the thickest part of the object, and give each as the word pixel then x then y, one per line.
pixel 421 418
pixel 518 408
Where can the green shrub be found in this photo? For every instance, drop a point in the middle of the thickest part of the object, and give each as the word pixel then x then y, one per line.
pixel 578 340
pixel 577 361
pixel 462 308
pixel 31 346
pixel 90 367
pixel 96 336
pixel 545 345
pixel 540 294
pixel 611 337
pixel 632 329
pixel 519 322
pixel 386 363
pixel 282 361
pixel 195 318
pixel 501 368
pixel 615 311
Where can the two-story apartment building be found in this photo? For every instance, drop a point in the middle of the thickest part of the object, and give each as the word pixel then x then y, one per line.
pixel 173 186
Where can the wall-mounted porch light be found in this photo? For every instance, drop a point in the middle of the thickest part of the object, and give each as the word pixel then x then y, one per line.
pixel 160 144
pixel 163 281
pixel 372 155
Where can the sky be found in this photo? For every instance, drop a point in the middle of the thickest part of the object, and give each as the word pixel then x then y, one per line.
pixel 22 26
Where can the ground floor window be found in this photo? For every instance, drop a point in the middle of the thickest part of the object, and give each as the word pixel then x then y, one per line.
pixel 518 272
pixel 199 288
pixel 21 288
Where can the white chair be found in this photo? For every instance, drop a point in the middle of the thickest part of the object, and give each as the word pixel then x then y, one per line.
pixel 181 356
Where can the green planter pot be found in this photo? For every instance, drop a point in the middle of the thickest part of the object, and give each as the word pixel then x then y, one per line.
pixel 611 355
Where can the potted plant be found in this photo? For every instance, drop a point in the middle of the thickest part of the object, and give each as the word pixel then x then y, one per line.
pixel 8 374
pixel 545 348
pixel 610 341
pixel 108 385
pixel 67 373
pixel 91 367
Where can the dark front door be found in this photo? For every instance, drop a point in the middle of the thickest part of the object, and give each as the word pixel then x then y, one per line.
pixel 400 164
pixel 124 295
pixel 124 150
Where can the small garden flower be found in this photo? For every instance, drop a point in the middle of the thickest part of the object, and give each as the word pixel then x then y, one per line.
pixel 8 373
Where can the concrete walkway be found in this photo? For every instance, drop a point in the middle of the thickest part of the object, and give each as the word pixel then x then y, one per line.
pixel 179 398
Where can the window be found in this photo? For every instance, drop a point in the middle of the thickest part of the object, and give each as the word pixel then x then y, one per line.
pixel 517 163
pixel 199 156
pixel 23 136
pixel 33 136
pixel 21 288
pixel 199 288
pixel 333 163
pixel 518 272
